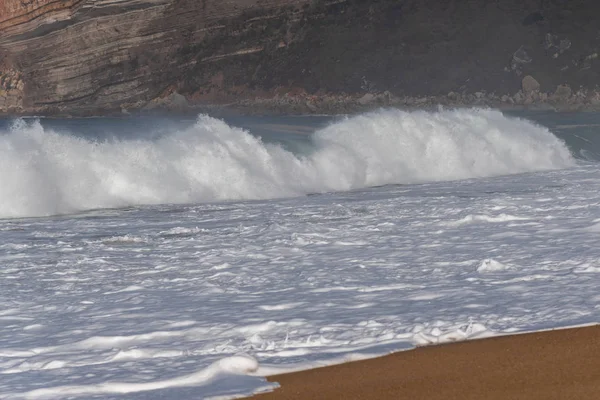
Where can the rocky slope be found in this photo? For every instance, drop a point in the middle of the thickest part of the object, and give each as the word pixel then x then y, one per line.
pixel 97 56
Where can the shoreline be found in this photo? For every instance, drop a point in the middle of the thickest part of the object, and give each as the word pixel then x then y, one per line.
pixel 562 363
pixel 304 104
pixel 218 111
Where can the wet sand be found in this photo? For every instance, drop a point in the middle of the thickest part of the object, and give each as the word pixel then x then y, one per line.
pixel 560 364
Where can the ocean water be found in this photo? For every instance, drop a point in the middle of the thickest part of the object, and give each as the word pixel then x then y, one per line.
pixel 151 257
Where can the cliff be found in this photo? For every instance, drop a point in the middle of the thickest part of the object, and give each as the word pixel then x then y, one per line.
pixel 99 56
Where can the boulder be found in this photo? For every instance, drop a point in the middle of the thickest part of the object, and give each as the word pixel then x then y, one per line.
pixel 562 93
pixel 530 84
pixel 518 97
pixel 366 99
pixel 384 98
pixel 177 101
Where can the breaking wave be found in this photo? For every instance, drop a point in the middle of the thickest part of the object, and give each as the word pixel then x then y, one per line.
pixel 46 172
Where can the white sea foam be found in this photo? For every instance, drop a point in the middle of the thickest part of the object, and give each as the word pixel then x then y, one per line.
pixel 202 300
pixel 234 365
pixel 491 265
pixel 472 219
pixel 43 172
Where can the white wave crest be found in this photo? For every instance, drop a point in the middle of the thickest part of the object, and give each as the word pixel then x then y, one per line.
pixel 43 172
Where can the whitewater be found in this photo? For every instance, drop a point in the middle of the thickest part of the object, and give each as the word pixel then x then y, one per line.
pixel 161 258
pixel 46 173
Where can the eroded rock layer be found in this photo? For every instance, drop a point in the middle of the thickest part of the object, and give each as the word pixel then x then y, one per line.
pixel 98 56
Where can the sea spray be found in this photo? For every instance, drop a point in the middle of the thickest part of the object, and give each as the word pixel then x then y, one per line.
pixel 44 172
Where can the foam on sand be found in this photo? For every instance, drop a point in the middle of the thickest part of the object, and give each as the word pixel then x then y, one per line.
pixel 43 172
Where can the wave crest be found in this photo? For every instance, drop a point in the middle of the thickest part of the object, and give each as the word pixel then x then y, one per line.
pixel 43 172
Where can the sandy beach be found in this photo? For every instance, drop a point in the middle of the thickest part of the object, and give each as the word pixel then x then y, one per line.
pixel 560 364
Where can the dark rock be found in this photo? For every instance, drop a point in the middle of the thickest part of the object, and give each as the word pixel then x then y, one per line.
pixel 533 18
pixel 564 45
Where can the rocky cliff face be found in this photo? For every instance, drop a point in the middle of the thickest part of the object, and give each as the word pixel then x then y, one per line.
pixel 98 56
pixel 90 56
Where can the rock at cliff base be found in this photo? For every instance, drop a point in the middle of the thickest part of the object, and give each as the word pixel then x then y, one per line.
pixel 518 97
pixel 366 99
pixel 563 93
pixel 530 84
pixel 311 106
pixel 177 101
